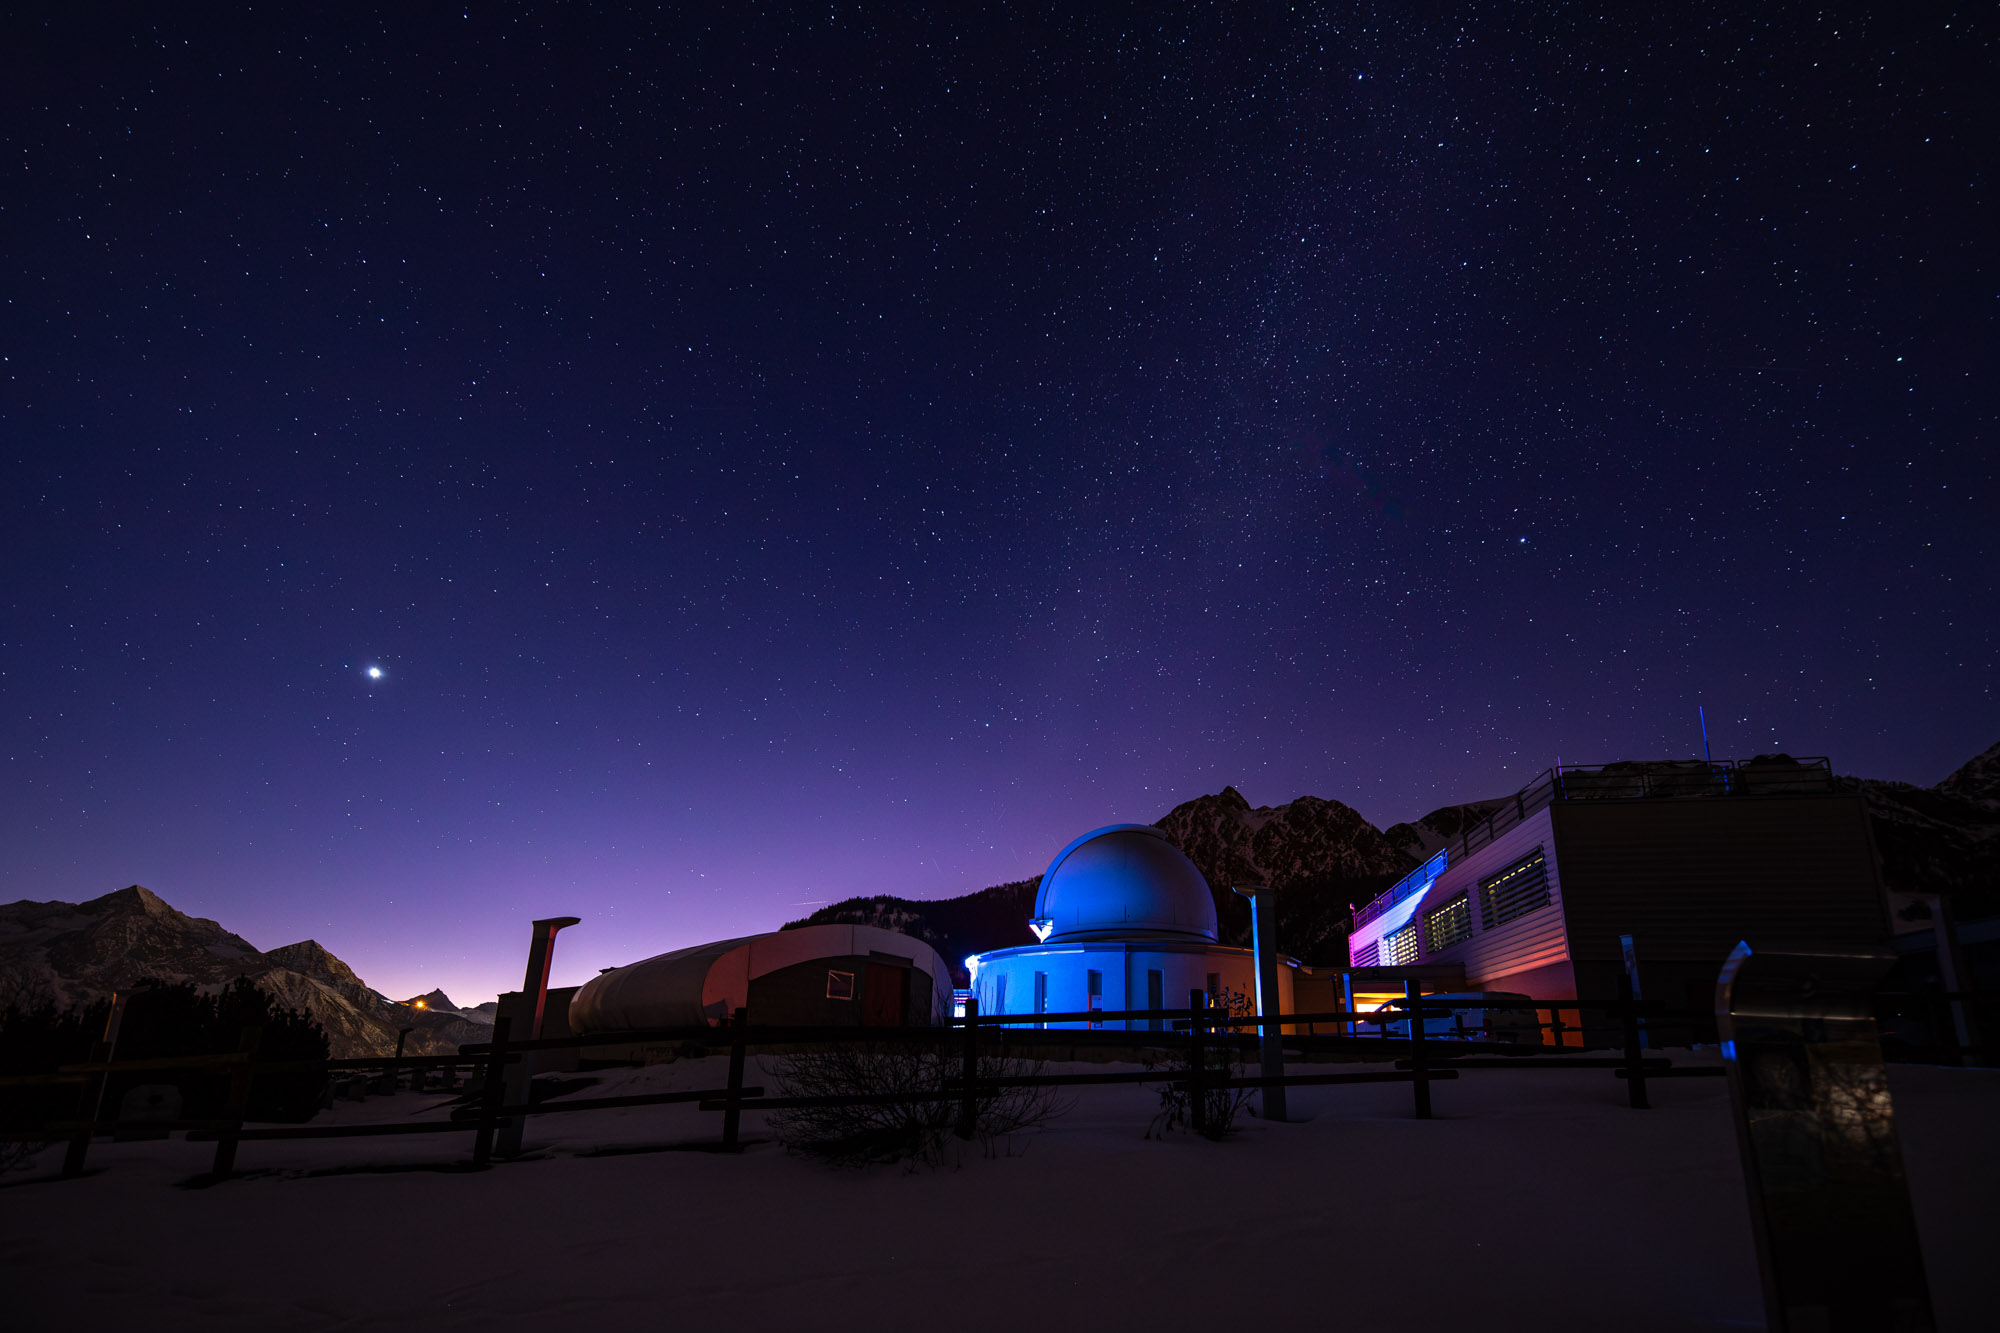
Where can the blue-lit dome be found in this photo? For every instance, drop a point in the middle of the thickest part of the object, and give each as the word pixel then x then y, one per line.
pixel 1124 881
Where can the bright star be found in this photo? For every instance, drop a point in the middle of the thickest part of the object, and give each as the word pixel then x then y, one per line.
pixel 374 673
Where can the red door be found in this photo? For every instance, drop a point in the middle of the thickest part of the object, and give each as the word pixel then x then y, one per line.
pixel 885 996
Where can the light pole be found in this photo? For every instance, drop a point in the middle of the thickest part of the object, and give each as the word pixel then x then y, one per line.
pixel 1264 951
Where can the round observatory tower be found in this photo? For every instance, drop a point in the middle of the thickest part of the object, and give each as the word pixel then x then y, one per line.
pixel 1125 922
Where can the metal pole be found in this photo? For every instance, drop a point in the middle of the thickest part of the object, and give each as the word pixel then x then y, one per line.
pixel 1630 950
pixel 535 992
pixel 1197 1061
pixel 1635 1068
pixel 1951 971
pixel 968 1106
pixel 1270 1031
pixel 541 954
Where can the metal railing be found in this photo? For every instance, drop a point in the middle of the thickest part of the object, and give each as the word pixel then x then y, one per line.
pixel 1640 780
pixel 1414 882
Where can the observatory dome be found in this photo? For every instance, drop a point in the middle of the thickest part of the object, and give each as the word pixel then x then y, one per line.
pixel 1125 881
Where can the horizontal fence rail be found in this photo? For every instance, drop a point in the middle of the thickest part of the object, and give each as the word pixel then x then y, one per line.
pixel 1420 1058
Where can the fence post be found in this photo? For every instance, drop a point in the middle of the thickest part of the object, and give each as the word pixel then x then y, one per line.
pixel 968 1106
pixel 88 1099
pixel 237 1104
pixel 732 1113
pixel 491 1096
pixel 1197 1061
pixel 1556 1025
pixel 1635 1068
pixel 1419 1070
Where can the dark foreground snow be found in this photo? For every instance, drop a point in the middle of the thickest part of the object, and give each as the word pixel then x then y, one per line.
pixel 1534 1201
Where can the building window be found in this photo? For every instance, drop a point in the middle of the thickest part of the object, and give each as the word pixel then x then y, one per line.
pixel 1215 990
pixel 839 985
pixel 1156 996
pixel 1448 925
pixel 1368 955
pixel 1094 994
pixel 1000 994
pixel 1515 891
pixel 1401 947
pixel 1041 994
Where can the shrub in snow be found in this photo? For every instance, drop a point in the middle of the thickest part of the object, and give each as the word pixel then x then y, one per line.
pixel 918 1130
pixel 1221 1058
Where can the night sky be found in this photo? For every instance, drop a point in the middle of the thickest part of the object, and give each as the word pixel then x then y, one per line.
pixel 771 457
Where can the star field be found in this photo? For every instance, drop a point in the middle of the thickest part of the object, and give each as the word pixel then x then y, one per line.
pixel 772 456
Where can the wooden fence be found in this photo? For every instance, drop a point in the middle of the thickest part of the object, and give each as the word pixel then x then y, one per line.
pixel 1193 1034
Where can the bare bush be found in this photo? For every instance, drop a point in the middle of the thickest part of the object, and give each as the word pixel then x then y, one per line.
pixel 919 1127
pixel 19 1154
pixel 1221 1059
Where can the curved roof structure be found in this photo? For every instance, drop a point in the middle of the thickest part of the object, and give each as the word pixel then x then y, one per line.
pixel 703 983
pixel 1125 881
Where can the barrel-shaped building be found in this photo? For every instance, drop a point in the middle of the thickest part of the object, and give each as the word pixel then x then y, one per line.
pixel 831 975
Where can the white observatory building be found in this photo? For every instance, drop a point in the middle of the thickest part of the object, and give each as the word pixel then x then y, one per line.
pixel 1125 922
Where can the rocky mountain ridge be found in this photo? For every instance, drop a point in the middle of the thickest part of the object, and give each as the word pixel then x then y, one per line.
pixel 1325 857
pixel 70 953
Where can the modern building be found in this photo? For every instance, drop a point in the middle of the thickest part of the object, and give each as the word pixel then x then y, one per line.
pixel 832 975
pixel 1655 870
pixel 1125 921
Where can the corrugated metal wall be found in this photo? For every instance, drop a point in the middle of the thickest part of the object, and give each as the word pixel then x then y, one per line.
pixel 1689 878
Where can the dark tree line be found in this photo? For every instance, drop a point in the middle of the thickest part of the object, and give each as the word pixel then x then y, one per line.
pixel 165 1020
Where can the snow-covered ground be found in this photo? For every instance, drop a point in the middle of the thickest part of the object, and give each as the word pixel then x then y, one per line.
pixel 1533 1201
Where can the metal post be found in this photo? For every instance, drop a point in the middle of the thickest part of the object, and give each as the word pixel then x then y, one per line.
pixel 732 1113
pixel 1197 1061
pixel 968 1106
pixel 1630 950
pixel 492 1097
pixel 535 991
pixel 1419 1068
pixel 1951 971
pixel 1270 1031
pixel 1635 1068
pixel 236 1106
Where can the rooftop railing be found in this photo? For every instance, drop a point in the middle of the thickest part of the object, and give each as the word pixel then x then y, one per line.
pixel 1630 780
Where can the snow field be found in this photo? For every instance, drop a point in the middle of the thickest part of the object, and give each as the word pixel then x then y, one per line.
pixel 1533 1201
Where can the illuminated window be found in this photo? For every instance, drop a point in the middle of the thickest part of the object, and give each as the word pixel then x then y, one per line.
pixel 1448 925
pixel 1515 891
pixel 839 985
pixel 1401 947
pixel 1369 954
